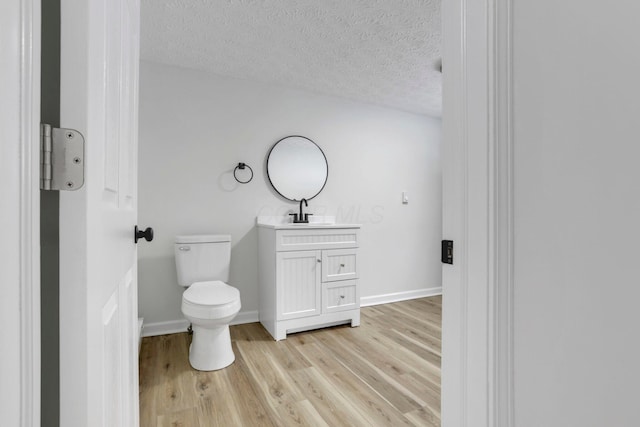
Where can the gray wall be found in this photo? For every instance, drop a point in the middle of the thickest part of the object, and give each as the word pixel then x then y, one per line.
pixel 49 237
pixel 577 207
pixel 195 127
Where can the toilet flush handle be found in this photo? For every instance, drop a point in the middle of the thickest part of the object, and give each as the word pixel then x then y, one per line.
pixel 184 248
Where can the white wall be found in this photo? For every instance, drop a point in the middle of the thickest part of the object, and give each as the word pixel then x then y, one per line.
pixel 196 127
pixel 577 213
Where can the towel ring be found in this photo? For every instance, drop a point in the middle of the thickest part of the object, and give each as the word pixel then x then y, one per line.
pixel 242 166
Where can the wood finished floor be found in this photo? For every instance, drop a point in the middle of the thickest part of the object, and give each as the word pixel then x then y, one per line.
pixel 384 373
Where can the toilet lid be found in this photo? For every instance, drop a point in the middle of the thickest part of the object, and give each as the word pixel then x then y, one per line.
pixel 211 293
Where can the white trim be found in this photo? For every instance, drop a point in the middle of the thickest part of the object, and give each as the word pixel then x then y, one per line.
pixel 477 368
pixel 20 213
pixel 455 211
pixel 164 328
pixel 181 325
pixel 501 342
pixel 246 317
pixel 29 213
pixel 399 296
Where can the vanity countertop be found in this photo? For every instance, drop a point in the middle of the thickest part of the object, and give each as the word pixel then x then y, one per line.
pixel 282 223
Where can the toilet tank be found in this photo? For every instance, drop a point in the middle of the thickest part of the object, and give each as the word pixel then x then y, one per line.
pixel 202 257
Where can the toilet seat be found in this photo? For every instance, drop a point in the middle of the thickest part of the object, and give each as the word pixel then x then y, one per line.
pixel 212 292
pixel 210 300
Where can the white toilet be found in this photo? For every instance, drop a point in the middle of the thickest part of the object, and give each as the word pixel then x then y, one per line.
pixel 209 303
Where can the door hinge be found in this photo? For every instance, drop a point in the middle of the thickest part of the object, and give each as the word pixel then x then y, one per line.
pixel 61 158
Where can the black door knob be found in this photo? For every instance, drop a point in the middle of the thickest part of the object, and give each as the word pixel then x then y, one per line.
pixel 139 234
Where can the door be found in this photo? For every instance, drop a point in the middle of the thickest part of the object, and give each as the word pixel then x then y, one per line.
pixel 98 283
pixel 298 284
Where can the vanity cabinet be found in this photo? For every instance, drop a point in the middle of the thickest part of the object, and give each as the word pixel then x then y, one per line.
pixel 308 277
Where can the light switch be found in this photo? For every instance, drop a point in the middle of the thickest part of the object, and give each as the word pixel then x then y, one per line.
pixel 405 198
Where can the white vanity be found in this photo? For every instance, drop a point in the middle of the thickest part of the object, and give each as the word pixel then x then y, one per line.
pixel 308 275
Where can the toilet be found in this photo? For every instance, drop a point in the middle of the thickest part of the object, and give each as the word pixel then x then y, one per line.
pixel 202 263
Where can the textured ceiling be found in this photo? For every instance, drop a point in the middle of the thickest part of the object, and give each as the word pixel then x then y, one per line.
pixel 383 52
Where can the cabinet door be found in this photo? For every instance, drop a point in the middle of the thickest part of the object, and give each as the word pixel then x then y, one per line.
pixel 339 264
pixel 298 284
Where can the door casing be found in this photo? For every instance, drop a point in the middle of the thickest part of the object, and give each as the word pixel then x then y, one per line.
pixel 477 335
pixel 477 380
pixel 20 212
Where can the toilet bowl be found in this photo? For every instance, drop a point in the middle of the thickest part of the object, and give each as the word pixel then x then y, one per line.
pixel 210 304
pixel 210 307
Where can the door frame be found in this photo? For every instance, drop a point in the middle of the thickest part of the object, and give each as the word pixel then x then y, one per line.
pixel 20 245
pixel 477 362
pixel 477 123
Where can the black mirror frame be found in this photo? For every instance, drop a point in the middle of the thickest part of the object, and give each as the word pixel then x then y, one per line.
pixel 326 178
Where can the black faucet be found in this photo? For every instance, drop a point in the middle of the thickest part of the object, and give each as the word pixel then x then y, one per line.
pixel 300 218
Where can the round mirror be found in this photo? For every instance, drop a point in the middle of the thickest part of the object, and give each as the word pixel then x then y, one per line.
pixel 297 168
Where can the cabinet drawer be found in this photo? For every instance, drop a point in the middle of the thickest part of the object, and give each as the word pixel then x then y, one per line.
pixel 339 264
pixel 338 296
pixel 304 240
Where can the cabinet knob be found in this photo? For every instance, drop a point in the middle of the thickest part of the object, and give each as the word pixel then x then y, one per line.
pixel 342 296
pixel 341 265
pixel 319 260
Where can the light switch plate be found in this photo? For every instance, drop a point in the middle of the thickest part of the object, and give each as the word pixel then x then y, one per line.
pixel 405 198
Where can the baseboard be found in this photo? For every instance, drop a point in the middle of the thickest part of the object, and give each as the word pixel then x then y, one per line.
pixel 399 296
pixel 246 317
pixel 181 325
pixel 164 328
